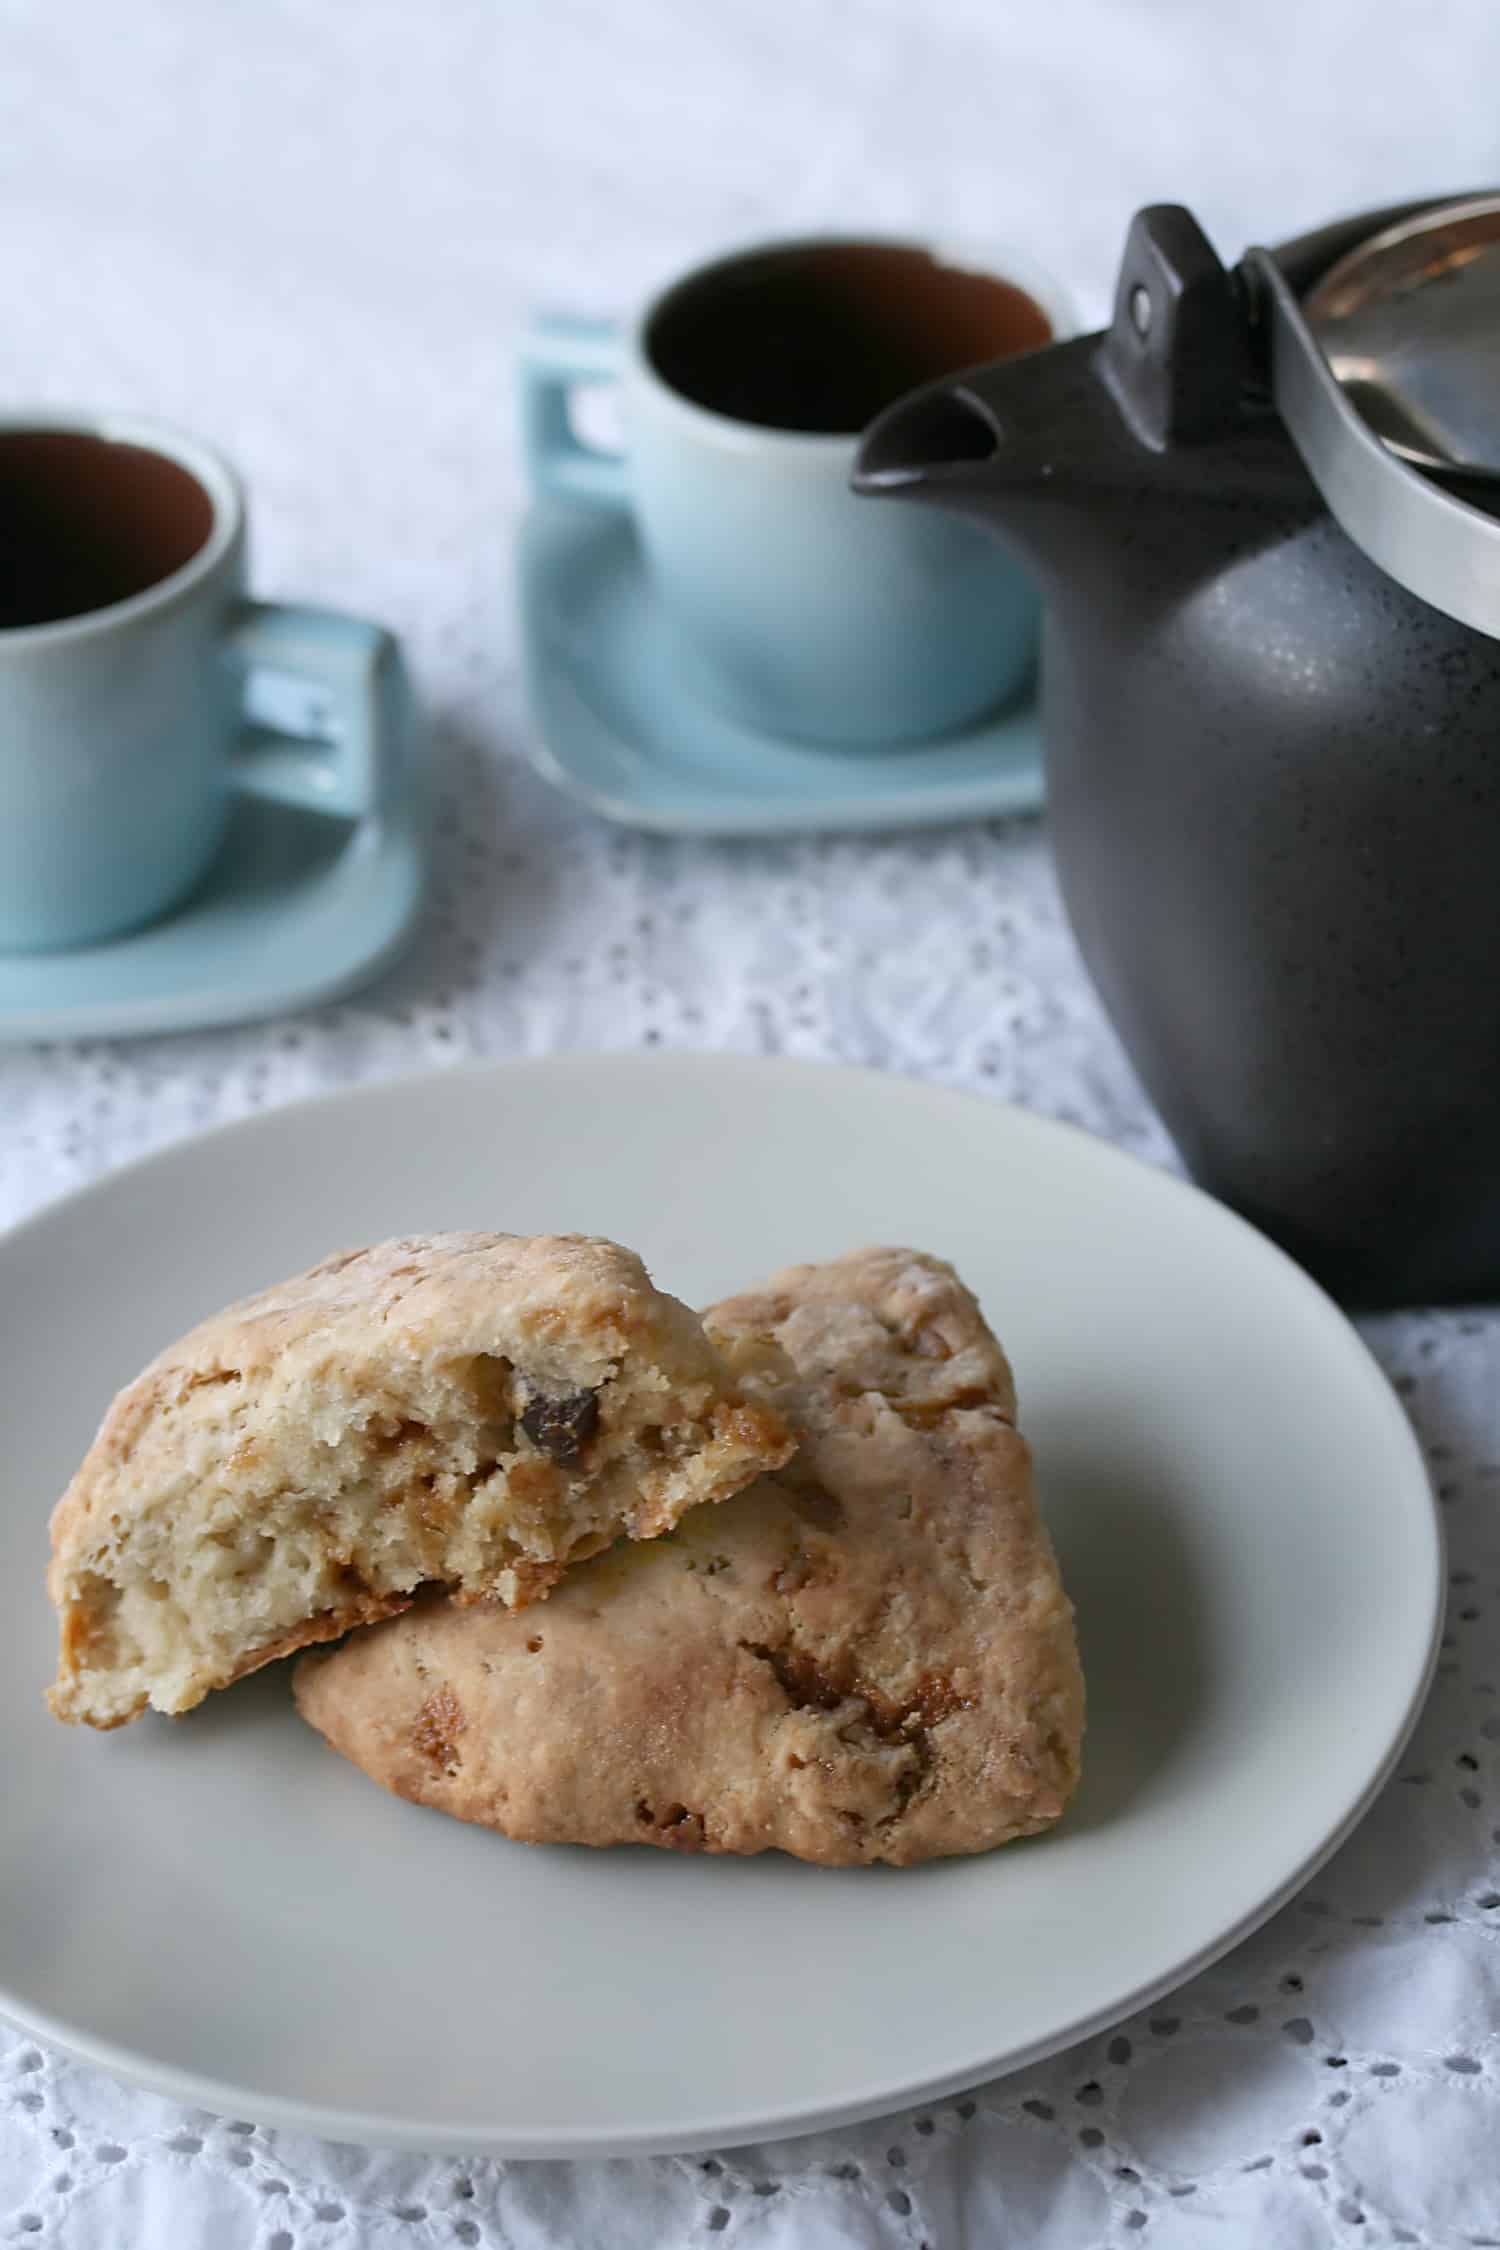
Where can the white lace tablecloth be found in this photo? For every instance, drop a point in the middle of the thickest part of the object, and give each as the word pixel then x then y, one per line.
pixel 310 231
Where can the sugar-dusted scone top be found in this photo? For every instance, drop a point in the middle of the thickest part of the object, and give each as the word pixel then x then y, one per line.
pixel 471 1408
pixel 868 1656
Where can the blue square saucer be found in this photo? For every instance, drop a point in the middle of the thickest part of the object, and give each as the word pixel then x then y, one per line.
pixel 615 725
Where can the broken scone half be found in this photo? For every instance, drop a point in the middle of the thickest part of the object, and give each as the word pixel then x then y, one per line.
pixel 868 1656
pixel 472 1409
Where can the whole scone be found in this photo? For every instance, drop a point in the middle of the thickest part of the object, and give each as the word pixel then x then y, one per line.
pixel 472 1409
pixel 866 1656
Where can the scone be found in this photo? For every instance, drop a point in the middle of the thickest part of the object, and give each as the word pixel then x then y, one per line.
pixel 476 1409
pixel 868 1656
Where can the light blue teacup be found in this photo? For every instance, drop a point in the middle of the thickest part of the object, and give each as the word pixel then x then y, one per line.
pixel 800 610
pixel 125 645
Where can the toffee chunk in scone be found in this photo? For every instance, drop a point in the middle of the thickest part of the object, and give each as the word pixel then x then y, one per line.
pixel 866 1656
pixel 476 1410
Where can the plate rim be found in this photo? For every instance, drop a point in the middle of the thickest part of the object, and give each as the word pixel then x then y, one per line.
pixel 375 2130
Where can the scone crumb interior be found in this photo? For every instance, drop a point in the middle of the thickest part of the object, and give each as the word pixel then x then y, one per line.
pixel 247 1504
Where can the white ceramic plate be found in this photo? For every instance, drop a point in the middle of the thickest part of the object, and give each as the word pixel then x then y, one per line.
pixel 222 1908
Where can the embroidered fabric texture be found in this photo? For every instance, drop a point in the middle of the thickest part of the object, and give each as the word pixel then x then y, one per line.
pixel 313 238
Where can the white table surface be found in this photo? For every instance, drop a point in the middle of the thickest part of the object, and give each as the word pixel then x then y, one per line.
pixel 311 232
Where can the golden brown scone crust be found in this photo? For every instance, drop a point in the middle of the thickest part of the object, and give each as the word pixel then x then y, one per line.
pixel 867 1656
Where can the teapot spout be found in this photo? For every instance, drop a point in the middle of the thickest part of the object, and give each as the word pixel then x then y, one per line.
pixel 936 443
pixel 977 442
pixel 1059 450
pixel 1019 447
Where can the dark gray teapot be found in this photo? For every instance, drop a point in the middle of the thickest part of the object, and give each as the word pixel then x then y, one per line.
pixel 1273 769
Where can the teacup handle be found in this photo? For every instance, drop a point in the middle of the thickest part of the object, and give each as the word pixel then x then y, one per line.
pixel 345 763
pixel 561 351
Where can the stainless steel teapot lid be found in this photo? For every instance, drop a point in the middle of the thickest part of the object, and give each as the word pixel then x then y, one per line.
pixel 1409 321
pixel 1421 525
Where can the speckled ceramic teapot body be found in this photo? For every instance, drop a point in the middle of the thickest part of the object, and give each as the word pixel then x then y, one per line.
pixel 1273 774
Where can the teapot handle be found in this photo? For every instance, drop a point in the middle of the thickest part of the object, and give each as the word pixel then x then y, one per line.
pixel 1429 540
pixel 1176 354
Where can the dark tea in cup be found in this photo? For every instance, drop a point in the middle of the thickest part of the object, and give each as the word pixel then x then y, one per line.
pixel 821 337
pixel 90 521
